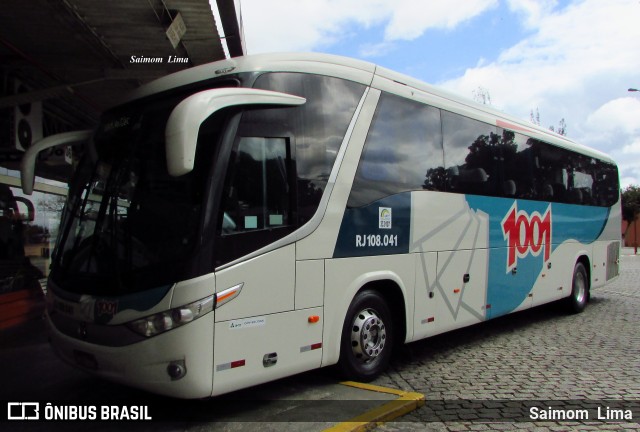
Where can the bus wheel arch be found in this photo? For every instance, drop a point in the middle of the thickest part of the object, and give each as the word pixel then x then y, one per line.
pixel 374 324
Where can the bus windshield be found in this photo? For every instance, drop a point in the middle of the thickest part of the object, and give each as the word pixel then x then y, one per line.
pixel 128 224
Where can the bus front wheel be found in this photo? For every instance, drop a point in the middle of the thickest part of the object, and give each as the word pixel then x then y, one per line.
pixel 367 337
pixel 579 289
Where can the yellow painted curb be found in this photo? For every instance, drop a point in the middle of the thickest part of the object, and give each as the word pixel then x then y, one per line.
pixel 405 403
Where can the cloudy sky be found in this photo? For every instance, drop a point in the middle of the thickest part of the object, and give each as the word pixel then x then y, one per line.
pixel 571 59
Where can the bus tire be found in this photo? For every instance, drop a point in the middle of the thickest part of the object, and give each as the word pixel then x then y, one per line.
pixel 367 337
pixel 577 301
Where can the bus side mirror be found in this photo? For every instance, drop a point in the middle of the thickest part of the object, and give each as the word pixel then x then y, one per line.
pixel 31 211
pixel 28 164
pixel 181 133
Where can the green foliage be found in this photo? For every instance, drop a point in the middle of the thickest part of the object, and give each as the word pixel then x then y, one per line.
pixel 562 128
pixel 630 202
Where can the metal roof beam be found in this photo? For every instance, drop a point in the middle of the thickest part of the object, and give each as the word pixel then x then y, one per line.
pixel 231 26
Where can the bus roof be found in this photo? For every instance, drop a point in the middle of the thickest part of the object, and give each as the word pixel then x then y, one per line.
pixel 365 73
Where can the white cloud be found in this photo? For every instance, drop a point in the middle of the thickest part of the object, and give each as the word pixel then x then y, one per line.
pixel 633 148
pixel 571 53
pixel 410 18
pixel 376 50
pixel 576 65
pixel 621 114
pixel 532 10
pixel 293 25
pixel 306 25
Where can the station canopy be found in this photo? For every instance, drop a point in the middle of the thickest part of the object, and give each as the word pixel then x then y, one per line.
pixel 65 61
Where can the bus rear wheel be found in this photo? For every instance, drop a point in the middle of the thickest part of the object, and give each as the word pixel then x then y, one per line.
pixel 577 301
pixel 367 337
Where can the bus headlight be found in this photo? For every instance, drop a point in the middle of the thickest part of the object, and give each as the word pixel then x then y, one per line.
pixel 161 322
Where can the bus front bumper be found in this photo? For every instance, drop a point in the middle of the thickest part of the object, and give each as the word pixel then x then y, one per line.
pixel 177 363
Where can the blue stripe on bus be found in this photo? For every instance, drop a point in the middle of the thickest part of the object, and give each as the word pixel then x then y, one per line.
pixel 506 290
pixel 361 235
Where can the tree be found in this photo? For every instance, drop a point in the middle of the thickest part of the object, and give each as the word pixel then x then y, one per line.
pixel 535 118
pixel 562 128
pixel 630 203
pixel 562 124
pixel 482 95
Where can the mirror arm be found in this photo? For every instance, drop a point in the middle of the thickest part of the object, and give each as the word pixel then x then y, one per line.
pixel 183 126
pixel 28 164
pixel 31 211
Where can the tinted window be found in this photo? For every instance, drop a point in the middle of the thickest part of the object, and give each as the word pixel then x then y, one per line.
pixel 517 163
pixel 317 127
pixel 403 151
pixel 258 195
pixel 580 173
pixel 573 178
pixel 606 188
pixel 551 172
pixel 281 161
pixel 471 155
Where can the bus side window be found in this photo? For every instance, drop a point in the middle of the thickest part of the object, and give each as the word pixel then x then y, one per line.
pixel 319 126
pixel 258 195
pixel 606 188
pixel 471 154
pixel 281 160
pixel 517 166
pixel 403 152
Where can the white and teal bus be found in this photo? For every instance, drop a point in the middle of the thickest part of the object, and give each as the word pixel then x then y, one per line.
pixel 257 217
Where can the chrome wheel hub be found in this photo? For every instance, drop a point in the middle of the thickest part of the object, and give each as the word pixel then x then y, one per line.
pixel 368 335
pixel 580 288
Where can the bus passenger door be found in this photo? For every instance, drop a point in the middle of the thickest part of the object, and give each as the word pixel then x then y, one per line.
pixel 259 336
